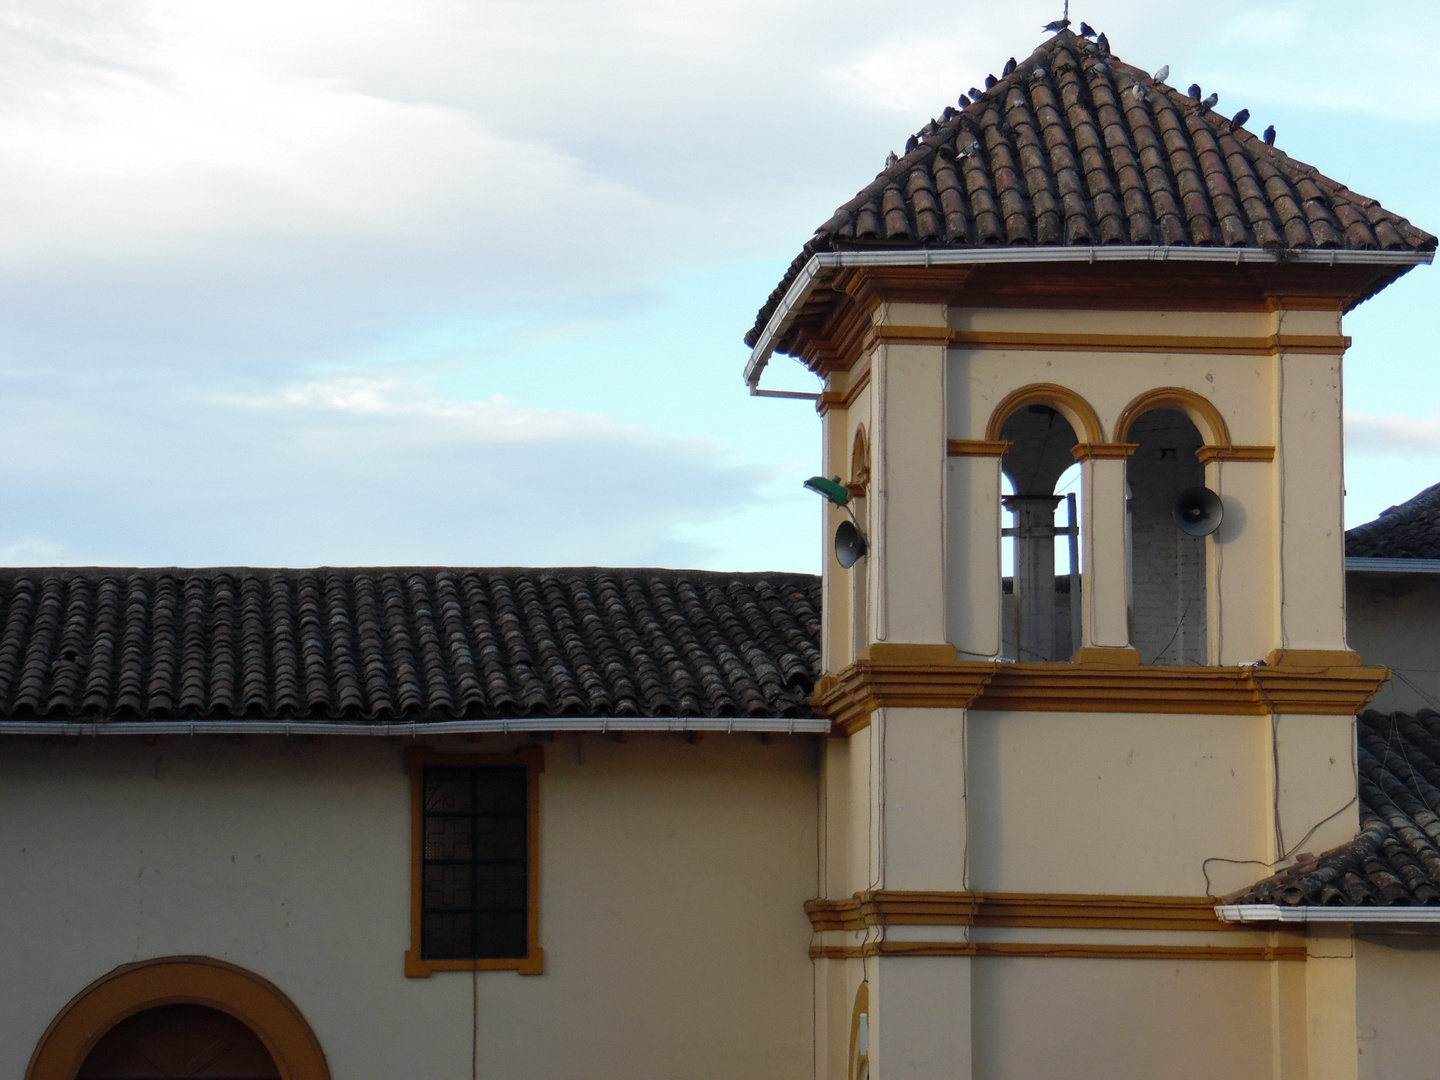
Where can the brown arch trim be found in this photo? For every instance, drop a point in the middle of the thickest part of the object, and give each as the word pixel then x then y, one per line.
pixel 179 980
pixel 1076 409
pixel 1200 410
pixel 859 464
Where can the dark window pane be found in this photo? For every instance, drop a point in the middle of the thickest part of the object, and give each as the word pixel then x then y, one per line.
pixel 500 838
pixel 502 791
pixel 499 887
pixel 448 791
pixel 448 888
pixel 448 837
pixel 446 936
pixel 474 863
pixel 500 933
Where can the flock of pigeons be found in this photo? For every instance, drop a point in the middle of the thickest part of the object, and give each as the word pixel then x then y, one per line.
pixel 1098 45
pixel 1103 46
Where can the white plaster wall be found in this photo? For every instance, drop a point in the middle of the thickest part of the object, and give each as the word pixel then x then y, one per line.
pixel 1395 621
pixel 1397 1001
pixel 1054 1019
pixel 673 883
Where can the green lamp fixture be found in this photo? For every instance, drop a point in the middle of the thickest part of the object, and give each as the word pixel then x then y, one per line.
pixel 850 542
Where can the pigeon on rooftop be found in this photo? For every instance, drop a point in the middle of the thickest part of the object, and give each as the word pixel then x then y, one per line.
pixel 1057 25
pixel 963 102
pixel 1086 30
pixel 911 143
pixel 990 82
pixel 1238 120
pixel 1209 102
pixel 1009 67
pixel 1162 74
pixel 1270 135
pixel 976 93
pixel 1194 90
pixel 1104 43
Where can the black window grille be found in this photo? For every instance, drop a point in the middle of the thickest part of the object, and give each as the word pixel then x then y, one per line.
pixel 474 898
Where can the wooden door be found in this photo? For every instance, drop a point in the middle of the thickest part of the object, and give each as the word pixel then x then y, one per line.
pixel 179 1041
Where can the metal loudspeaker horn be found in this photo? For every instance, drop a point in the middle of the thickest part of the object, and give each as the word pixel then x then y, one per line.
pixel 850 546
pixel 1198 511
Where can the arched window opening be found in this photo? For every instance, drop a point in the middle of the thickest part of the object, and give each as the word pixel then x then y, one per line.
pixel 179 1041
pixel 1042 604
pixel 1168 621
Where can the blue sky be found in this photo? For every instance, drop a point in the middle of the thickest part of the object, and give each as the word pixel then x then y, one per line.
pixel 438 282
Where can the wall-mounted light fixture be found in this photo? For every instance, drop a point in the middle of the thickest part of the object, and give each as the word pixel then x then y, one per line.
pixel 850 542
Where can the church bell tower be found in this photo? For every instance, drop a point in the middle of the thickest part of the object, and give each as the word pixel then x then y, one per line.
pixel 1081 356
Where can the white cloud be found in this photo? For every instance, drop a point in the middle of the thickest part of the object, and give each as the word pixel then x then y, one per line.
pixel 1409 436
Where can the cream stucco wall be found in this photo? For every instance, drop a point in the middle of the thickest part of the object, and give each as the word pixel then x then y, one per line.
pixel 673 882
pixel 1053 1019
pixel 1397 998
pixel 1136 802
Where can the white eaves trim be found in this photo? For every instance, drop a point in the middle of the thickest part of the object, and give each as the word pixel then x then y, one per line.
pixel 822 263
pixel 600 724
pixel 1363 565
pixel 1286 913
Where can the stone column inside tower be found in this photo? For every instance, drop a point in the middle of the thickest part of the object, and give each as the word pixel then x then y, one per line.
pixel 1041 439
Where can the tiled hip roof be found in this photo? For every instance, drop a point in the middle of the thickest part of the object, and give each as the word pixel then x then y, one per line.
pixel 1395 861
pixel 1408 531
pixel 405 644
pixel 1075 148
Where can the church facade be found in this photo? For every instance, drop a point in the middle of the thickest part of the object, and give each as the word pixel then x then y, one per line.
pixel 1009 791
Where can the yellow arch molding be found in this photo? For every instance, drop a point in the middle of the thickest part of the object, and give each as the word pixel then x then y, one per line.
pixel 1076 409
pixel 1200 410
pixel 179 980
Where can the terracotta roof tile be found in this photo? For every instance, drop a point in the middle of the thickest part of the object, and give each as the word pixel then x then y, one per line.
pixel 1395 860
pixel 1408 531
pixel 405 643
pixel 1076 147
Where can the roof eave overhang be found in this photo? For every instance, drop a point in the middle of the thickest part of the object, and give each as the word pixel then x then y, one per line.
pixel 1367 565
pixel 825 263
pixel 416 729
pixel 1301 913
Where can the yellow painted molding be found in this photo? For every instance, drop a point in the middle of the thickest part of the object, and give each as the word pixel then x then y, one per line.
pixel 1079 911
pixel 1299 683
pixel 898 675
pixel 1200 409
pixel 1103 451
pixel 1063 952
pixel 1077 410
pixel 1107 657
pixel 977 447
pixel 1207 453
pixel 1147 343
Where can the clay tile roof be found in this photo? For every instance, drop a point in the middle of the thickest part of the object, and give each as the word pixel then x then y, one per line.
pixel 1408 531
pixel 1396 858
pixel 405 644
pixel 1077 148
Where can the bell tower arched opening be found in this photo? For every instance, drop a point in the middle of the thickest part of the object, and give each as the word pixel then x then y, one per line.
pixel 1040 618
pixel 1168 601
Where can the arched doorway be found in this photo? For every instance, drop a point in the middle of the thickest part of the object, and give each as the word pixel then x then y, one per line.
pixel 179 1013
pixel 188 1041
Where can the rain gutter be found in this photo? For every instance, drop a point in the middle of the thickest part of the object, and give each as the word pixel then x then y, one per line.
pixel 601 724
pixel 1299 913
pixel 1363 565
pixel 822 264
